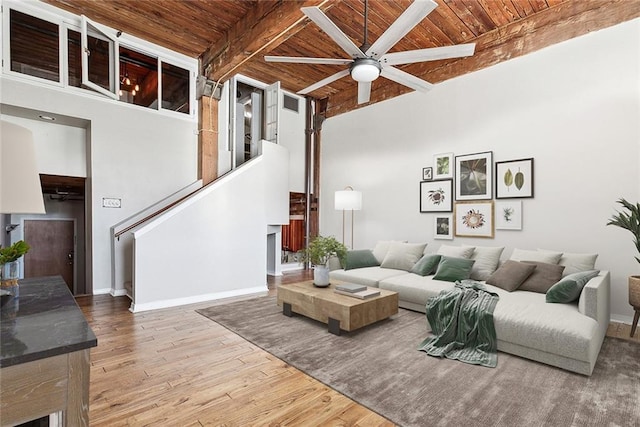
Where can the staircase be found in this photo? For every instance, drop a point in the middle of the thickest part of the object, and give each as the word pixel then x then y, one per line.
pixel 211 244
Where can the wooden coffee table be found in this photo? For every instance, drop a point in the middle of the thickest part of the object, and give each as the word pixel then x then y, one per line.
pixel 340 312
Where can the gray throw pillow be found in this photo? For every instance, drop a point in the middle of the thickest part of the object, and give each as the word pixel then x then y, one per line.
pixel 359 259
pixel 453 269
pixel 510 275
pixel 543 277
pixel 426 265
pixel 570 287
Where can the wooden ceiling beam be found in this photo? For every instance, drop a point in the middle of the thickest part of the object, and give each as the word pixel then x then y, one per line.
pixel 261 30
pixel 553 25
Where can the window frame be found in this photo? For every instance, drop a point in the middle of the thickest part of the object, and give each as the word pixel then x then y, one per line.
pixel 67 21
pixel 114 58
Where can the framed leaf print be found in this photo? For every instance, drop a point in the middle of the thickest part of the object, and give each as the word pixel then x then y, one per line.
pixel 443 166
pixel 436 196
pixel 514 179
pixel 509 215
pixel 443 227
pixel 473 176
pixel 427 174
pixel 474 219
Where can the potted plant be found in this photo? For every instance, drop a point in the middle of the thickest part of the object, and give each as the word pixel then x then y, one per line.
pixel 318 253
pixel 8 257
pixel 629 219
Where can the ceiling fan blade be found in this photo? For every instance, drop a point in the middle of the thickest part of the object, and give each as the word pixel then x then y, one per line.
pixel 364 92
pixel 406 79
pixel 405 23
pixel 431 54
pixel 307 60
pixel 316 15
pixel 324 82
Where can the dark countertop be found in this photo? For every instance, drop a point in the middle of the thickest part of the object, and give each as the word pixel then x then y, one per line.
pixel 44 321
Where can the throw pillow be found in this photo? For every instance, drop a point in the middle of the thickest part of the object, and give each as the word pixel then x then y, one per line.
pixel 359 259
pixel 540 256
pixel 543 277
pixel 452 269
pixel 577 262
pixel 456 251
pixel 426 265
pixel 381 249
pixel 510 275
pixel 403 256
pixel 487 259
pixel 570 287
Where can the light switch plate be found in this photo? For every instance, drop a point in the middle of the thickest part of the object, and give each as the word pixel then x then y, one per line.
pixel 110 202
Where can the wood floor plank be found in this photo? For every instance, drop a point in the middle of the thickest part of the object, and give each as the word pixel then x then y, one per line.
pixel 174 367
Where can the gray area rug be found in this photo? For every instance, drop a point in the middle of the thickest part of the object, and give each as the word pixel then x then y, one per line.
pixel 380 368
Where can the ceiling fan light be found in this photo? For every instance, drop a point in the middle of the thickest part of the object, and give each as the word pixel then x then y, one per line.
pixel 365 72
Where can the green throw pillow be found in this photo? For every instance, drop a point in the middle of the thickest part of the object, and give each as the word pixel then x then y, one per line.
pixel 359 259
pixel 453 269
pixel 426 265
pixel 570 287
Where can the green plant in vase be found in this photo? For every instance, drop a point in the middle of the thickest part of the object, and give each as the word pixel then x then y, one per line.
pixel 318 253
pixel 9 255
pixel 629 219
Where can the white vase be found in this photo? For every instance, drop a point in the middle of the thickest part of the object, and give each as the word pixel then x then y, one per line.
pixel 321 276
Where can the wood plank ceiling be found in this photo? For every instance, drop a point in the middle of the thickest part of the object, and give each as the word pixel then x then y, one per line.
pixel 233 36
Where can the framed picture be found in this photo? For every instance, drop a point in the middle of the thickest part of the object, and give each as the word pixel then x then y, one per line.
pixel 509 215
pixel 474 219
pixel 473 176
pixel 427 174
pixel 436 196
pixel 443 164
pixel 443 227
pixel 514 179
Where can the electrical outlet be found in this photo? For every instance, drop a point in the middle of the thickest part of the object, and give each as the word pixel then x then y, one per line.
pixel 110 202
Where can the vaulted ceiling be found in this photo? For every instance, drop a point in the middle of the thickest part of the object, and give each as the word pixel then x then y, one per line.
pixel 233 36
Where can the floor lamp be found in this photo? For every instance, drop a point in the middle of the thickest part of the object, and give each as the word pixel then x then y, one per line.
pixel 348 200
pixel 20 189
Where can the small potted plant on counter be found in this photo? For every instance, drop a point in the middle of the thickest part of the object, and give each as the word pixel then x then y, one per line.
pixel 318 253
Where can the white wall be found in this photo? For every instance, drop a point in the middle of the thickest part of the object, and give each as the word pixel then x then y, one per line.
pixel 135 154
pixel 574 107
pixel 214 245
pixel 292 135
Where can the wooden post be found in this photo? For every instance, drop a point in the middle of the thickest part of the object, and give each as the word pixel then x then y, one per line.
pixel 208 140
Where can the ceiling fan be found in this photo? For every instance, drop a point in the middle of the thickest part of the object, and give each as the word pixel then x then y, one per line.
pixel 368 62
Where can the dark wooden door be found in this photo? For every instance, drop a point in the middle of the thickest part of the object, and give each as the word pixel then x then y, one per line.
pixel 51 252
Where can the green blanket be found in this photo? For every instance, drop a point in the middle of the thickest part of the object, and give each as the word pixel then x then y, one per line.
pixel 461 320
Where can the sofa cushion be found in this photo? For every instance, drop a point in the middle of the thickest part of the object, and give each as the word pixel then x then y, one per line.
pixel 577 262
pixel 510 275
pixel 451 269
pixel 381 249
pixel 403 256
pixel 368 276
pixel 523 318
pixel 570 287
pixel 455 251
pixel 360 258
pixel 426 265
pixel 543 277
pixel 486 261
pixel 539 255
pixel 415 289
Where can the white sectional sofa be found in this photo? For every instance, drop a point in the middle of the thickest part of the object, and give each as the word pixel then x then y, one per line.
pixel 566 335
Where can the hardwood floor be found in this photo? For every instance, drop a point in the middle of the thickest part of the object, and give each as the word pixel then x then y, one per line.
pixel 174 367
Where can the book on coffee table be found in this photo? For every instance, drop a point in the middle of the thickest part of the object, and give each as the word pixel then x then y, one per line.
pixel 350 287
pixel 368 293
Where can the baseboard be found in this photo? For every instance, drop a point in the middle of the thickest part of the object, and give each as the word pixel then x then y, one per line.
pixel 102 291
pixel 118 292
pixel 258 291
pixel 621 319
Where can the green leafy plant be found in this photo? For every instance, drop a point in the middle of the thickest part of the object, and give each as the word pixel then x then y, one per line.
pixel 13 252
pixel 321 249
pixel 629 219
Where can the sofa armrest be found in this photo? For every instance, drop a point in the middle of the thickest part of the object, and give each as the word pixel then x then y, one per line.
pixel 595 300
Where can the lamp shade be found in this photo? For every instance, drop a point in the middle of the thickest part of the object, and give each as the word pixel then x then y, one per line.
pixel 348 200
pixel 20 189
pixel 365 71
